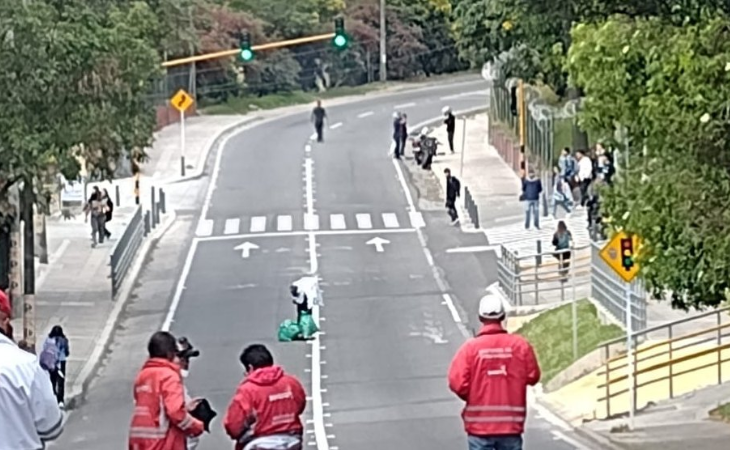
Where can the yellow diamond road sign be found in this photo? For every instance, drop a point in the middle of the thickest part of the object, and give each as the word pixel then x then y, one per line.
pixel 620 255
pixel 182 100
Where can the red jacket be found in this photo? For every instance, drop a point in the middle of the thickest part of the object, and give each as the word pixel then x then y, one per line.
pixel 160 420
pixel 267 402
pixel 491 373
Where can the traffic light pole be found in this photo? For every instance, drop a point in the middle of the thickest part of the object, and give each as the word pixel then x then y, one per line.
pixel 631 363
pixel 383 58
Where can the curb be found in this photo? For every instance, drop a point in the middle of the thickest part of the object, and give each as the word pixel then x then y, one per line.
pixel 81 384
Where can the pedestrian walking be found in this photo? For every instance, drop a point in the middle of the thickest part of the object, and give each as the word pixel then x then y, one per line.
pixel 318 117
pixel 266 409
pixel 109 211
pixel 531 190
pixel 28 405
pixel 490 373
pixel 398 138
pixel 453 191
pixel 58 375
pixel 567 165
pixel 563 241
pixel 562 195
pixel 161 419
pixel 585 175
pixel 95 210
pixel 450 122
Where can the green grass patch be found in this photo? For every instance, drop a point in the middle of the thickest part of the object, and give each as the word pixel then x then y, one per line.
pixel 722 412
pixel 551 334
pixel 245 104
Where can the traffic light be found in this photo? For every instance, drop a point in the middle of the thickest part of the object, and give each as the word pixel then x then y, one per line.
pixel 627 253
pixel 340 40
pixel 246 52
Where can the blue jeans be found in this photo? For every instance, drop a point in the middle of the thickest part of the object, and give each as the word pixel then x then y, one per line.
pixel 532 207
pixel 512 442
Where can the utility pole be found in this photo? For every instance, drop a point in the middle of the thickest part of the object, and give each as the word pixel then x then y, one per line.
pixel 383 65
pixel 26 211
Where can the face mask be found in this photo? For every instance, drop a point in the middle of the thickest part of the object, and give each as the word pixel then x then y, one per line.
pixel 184 373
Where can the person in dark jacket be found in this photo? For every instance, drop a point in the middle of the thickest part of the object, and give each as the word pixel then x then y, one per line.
pixel 58 376
pixel 398 137
pixel 109 211
pixel 531 190
pixel 403 133
pixel 318 117
pixel 453 190
pixel 450 122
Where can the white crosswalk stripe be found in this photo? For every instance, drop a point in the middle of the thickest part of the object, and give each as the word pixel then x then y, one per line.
pixel 232 226
pixel 284 223
pixel 258 224
pixel 390 220
pixel 363 221
pixel 516 238
pixel 337 222
pixel 304 222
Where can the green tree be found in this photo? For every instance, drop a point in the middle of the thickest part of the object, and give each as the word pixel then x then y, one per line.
pixel 77 81
pixel 666 87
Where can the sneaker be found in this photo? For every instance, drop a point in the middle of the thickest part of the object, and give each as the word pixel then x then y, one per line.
pixel 455 221
pixel 61 405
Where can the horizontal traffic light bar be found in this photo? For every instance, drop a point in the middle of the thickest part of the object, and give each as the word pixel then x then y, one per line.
pixel 237 51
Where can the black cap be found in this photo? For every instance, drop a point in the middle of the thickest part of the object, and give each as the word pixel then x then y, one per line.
pixel 185 349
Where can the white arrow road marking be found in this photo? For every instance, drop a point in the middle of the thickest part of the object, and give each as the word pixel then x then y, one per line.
pixel 378 242
pixel 245 249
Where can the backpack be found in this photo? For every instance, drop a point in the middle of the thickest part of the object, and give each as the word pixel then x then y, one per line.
pixel 49 355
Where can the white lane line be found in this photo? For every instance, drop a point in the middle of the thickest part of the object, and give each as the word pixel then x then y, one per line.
pixel 337 222
pixel 452 308
pixel 232 226
pixel 311 222
pixel 212 185
pixel 284 223
pixel 180 286
pixel 307 148
pixel 561 436
pixel 336 125
pixel 365 114
pixel 474 249
pixel 363 221
pixel 390 220
pixel 313 137
pixel 204 228
pixel 275 234
pixel 258 224
pixel 404 105
pixel 309 189
pixel 416 218
pixel 465 94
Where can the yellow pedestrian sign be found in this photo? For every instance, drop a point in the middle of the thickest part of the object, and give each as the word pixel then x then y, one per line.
pixel 182 101
pixel 620 255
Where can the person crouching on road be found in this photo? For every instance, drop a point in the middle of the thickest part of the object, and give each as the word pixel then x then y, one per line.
pixel 266 408
pixel 491 372
pixel 161 419
pixel 300 299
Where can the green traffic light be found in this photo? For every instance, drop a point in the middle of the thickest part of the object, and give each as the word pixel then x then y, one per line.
pixel 246 54
pixel 340 40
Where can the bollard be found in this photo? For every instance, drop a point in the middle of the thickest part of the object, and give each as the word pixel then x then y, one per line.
pixel 153 206
pixel 162 202
pixel 118 195
pixel 475 219
pixel 147 227
pixel 538 258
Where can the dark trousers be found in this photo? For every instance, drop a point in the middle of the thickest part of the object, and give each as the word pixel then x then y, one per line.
pixel 302 309
pixel 398 149
pixel 495 442
pixel 58 381
pixel 584 185
pixel 451 207
pixel 451 140
pixel 318 128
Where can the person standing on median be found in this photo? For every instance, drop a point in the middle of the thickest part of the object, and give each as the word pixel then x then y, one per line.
pixel 28 406
pixel 453 191
pixel 318 117
pixel 531 190
pixel 398 138
pixel 450 122
pixel 490 373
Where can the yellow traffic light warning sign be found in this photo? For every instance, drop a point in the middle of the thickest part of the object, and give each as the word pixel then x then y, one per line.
pixel 620 254
pixel 182 100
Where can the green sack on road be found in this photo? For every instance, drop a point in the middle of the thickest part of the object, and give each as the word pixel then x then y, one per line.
pixel 307 325
pixel 289 331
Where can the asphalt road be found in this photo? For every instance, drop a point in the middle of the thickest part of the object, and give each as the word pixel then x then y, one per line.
pixel 282 207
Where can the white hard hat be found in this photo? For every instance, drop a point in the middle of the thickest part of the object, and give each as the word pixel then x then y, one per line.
pixel 491 307
pixel 396 114
pixel 446 109
pixel 424 130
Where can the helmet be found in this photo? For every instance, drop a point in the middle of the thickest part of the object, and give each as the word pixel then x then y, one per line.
pixel 396 114
pixel 424 131
pixel 446 110
pixel 491 307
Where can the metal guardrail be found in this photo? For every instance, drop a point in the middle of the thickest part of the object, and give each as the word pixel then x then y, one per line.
pixel 524 278
pixel 667 359
pixel 609 290
pixel 471 207
pixel 125 250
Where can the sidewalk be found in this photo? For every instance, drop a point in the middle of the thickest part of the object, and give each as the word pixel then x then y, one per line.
pixel 74 289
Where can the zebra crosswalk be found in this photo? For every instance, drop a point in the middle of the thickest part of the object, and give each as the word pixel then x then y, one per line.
pixel 516 238
pixel 308 222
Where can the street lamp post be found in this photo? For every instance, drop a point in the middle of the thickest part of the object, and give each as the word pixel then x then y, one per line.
pixel 383 66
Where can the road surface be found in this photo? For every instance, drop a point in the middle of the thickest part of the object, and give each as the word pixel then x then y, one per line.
pixel 278 207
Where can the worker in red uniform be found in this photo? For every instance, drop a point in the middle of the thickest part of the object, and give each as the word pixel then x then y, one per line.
pixel 266 408
pixel 491 372
pixel 161 419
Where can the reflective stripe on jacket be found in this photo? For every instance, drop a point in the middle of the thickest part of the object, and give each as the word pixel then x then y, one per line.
pixel 160 420
pixel 491 373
